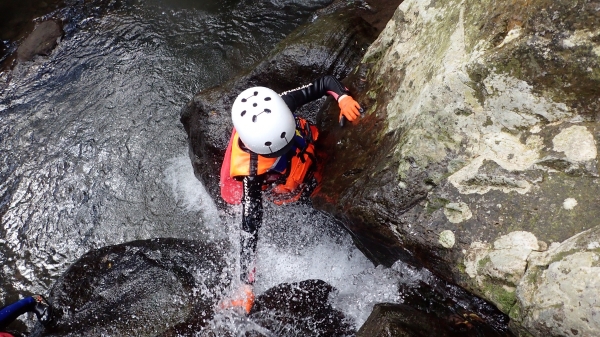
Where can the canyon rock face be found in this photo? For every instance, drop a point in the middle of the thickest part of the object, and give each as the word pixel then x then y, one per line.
pixel 477 155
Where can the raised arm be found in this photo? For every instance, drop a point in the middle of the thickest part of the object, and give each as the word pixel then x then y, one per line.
pixel 327 85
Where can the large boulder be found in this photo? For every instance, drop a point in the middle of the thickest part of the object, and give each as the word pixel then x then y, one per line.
pixel 478 148
pixel 332 44
pixel 141 288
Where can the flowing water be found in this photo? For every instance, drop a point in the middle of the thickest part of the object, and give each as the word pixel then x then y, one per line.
pixel 93 154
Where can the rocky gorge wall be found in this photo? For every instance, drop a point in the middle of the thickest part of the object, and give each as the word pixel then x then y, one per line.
pixel 477 157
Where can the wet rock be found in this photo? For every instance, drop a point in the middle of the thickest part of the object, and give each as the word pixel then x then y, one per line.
pixel 41 41
pixel 558 295
pixel 288 309
pixel 431 306
pixel 481 122
pixel 141 288
pixel 300 309
pixel 399 320
pixel 171 287
pixel 311 51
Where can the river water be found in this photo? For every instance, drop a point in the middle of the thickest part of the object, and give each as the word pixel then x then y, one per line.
pixel 93 154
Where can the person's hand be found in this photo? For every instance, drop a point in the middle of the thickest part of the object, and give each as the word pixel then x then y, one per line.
pixel 242 298
pixel 349 108
pixel 42 309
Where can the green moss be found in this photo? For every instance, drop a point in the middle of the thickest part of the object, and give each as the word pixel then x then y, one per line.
pixel 532 275
pixel 481 264
pixel 372 94
pixel 503 298
pixel 435 203
pixel 560 256
pixel 515 313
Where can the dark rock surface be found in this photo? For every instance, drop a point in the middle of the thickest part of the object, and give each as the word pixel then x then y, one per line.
pixel 455 311
pixel 300 309
pixel 290 309
pixel 399 320
pixel 141 288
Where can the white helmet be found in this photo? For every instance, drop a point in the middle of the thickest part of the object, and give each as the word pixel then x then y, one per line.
pixel 264 122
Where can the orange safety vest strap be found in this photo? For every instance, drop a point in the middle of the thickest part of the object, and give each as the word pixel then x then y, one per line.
pixel 248 163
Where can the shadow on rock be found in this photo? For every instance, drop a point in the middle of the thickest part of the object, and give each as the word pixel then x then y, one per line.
pixel 433 307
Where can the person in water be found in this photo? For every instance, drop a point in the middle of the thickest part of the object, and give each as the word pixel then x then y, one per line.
pixel 36 304
pixel 271 151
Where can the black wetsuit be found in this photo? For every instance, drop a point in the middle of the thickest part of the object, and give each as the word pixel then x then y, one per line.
pixel 252 185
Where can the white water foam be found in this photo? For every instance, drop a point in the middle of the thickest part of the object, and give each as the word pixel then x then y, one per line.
pixel 189 193
pixel 296 243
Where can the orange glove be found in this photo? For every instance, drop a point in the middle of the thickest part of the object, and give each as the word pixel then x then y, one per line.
pixel 243 298
pixel 349 108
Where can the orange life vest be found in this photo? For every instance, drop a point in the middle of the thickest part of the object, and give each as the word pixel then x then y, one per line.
pixel 245 162
pixel 293 172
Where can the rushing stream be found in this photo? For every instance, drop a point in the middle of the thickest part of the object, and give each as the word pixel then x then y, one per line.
pixel 93 154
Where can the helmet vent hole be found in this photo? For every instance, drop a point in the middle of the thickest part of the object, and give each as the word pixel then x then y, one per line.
pixel 254 105
pixel 268 111
pixel 283 135
pixel 268 143
pixel 243 113
pixel 267 98
pixel 244 100
pixel 256 93
pixel 254 118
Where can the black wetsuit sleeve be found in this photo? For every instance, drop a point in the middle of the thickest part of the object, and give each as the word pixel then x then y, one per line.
pixel 295 98
pixel 252 213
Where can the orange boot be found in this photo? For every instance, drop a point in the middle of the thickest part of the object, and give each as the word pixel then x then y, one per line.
pixel 243 298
